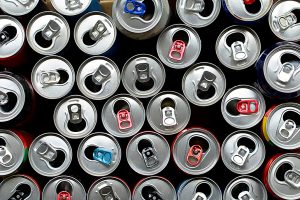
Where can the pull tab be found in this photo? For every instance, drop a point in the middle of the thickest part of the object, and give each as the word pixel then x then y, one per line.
pixel 206 81
pixel 150 193
pixel 287 20
pixel 49 78
pixel 286 72
pixel 73 4
pixel 149 157
pixel 51 30
pixel 47 152
pixel 124 119
pixel 101 75
pixel 287 129
pixel 177 50
pixel 106 192
pixel 135 8
pixel 64 195
pixel 169 118
pixel 7 34
pixel 245 195
pixel 3 98
pixel 240 156
pixel 142 70
pixel 292 178
pixel 5 156
pixel 22 192
pixel 238 51
pixel 199 196
pixel 197 6
pixel 194 155
pixel 102 155
pixel 75 113
pixel 247 106
pixel 98 31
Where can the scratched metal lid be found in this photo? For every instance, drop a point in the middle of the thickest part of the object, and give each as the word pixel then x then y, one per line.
pixel 204 84
pixel 238 47
pixel 18 7
pixel 70 7
pixel 95 33
pixel 283 20
pixel 53 77
pixel 12 36
pixel 48 33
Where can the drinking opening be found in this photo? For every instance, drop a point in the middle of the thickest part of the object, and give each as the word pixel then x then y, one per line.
pixel 60 159
pixel 64 186
pixel 247 143
pixel 206 94
pixel 149 193
pixel 199 141
pixel 238 189
pixel 208 8
pixel 143 144
pixel 77 127
pixel 204 188
pixel 89 152
pixel 235 37
pixel 231 107
pixel 22 192
pixel 121 105
pixel 291 58
pixel 41 41
pixel 292 116
pixel 150 9
pixel 282 170
pixel 11 104
pixel 297 13
pixel 87 40
pixel 181 35
pixel 2 142
pixel 145 85
pixel 64 76
pixel 7 34
pixel 167 102
pixel 90 84
pixel 253 6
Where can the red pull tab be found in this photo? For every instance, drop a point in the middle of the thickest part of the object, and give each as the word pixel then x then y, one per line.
pixel 247 106
pixel 64 196
pixel 124 119
pixel 249 2
pixel 177 50
pixel 194 156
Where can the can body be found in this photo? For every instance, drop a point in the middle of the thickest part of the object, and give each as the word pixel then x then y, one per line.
pixel 18 8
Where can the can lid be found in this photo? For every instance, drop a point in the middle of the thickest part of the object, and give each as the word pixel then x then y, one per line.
pixel 12 36
pixel 70 7
pixel 18 7
pixel 238 47
pixel 95 33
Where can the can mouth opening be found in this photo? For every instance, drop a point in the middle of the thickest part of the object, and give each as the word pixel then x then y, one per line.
pixel 22 191
pixel 181 35
pixel 89 151
pixel 2 142
pixel 167 102
pixel 297 14
pixel 252 6
pixel 235 37
pixel 145 85
pixel 90 84
pixel 7 34
pixel 64 186
pixel 231 107
pixel 247 142
pixel 78 126
pixel 289 58
pixel 149 191
pixel 282 169
pixel 10 104
pixel 208 8
pixel 206 94
pixel 41 41
pixel 150 10
pixel 290 115
pixel 121 105
pixel 87 40
pixel 63 76
pixel 144 144
pixel 199 141
pixel 204 188
pixel 59 160
pixel 238 189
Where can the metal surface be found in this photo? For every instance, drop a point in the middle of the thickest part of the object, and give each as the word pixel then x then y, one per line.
pixel 70 7
pixel 18 7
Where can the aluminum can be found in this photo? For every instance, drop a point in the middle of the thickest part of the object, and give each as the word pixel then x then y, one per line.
pixel 178 46
pixel 18 7
pixel 196 151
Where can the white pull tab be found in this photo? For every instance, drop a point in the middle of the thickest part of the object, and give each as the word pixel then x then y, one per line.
pixel 245 196
pixel 292 178
pixel 199 196
pixel 49 78
pixel 286 72
pixel 98 31
pixel 73 4
pixel 239 51
pixel 287 129
pixel 287 20
pixel 5 156
pixel 195 5
pixel 51 30
pixel 47 152
pixel 240 156
pixel 169 118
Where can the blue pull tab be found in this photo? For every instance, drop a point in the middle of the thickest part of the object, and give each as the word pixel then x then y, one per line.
pixel 103 156
pixel 135 8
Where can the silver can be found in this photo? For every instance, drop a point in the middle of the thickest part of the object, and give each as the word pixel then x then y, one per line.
pixel 98 78
pixel 109 188
pixel 75 117
pixel 283 20
pixel 168 113
pixel 143 75
pixel 48 33
pixel 64 187
pixel 141 20
pixel 68 7
pixel 178 46
pixel 204 84
pixel 154 187
pixel 99 154
pixel 197 13
pixel 238 47
pixel 196 151
pixel 199 188
pixel 20 187
pixel 245 187
pixel 243 106
pixel 243 152
pixel 18 7
pixel 53 77
pixel 50 154
pixel 148 153
pixel 95 33
pixel 123 115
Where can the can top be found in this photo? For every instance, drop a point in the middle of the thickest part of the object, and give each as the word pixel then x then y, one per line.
pixel 286 185
pixel 98 77
pixel 238 47
pixel 204 84
pixel 143 68
pixel 12 36
pixel 196 13
pixel 283 21
pixel 16 185
pixel 95 33
pixel 12 97
pixel 12 152
pixel 281 68
pixel 18 7
pixel 70 7
pixel 50 154
pixel 109 187
pixel 48 33
pixel 53 77
pixel 243 152
pixel 178 46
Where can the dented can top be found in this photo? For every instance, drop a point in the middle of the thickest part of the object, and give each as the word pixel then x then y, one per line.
pixel 243 152
pixel 283 20
pixel 238 47
pixel 19 187
pixel 123 115
pixel 99 154
pixel 109 188
pixel 148 153
pixel 50 154
pixel 196 151
pixel 18 7
pixel 199 188
pixel 198 13
pixel 48 33
pixel 204 84
pixel 75 117
pixel 143 75
pixel 178 46
pixel 168 113
pixel 95 33
pixel 98 77
pixel 243 106
pixel 53 77
pixel 158 187
pixel 12 36
pixel 245 187
pixel 68 185
pixel 70 7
